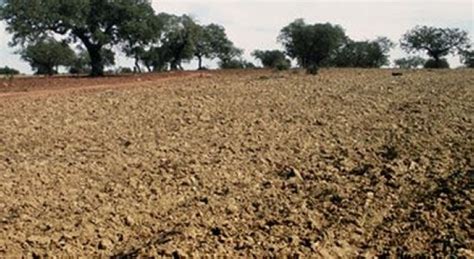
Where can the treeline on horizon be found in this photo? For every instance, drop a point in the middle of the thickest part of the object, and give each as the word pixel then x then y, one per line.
pixel 45 30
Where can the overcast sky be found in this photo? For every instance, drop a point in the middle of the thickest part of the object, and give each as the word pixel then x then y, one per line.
pixel 256 24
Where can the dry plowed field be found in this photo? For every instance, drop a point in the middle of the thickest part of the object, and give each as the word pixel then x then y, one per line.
pixel 348 163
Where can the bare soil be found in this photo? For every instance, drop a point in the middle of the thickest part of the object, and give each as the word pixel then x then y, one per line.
pixel 348 163
pixel 47 85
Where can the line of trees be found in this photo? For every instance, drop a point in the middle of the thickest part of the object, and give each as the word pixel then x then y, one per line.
pixel 323 44
pixel 162 41
pixel 155 41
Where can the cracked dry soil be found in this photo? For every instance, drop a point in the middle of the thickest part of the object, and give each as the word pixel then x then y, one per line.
pixel 348 163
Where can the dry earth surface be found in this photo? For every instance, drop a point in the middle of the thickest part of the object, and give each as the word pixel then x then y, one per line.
pixel 348 163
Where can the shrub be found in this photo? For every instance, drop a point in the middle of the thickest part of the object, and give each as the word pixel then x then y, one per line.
pixel 467 58
pixel 283 65
pixel 249 65
pixel 272 59
pixel 8 71
pixel 410 62
pixel 236 64
pixel 124 70
pixel 46 55
pixel 312 70
pixel 441 63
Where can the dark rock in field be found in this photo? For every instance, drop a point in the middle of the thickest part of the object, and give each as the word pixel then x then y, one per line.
pixel 387 173
pixel 216 231
pixel 204 200
pixel 392 183
pixel 267 184
pixel 336 199
pixel 397 74
pixel 389 153
pixel 361 170
pixel 289 173
pixel 178 254
pixel 124 142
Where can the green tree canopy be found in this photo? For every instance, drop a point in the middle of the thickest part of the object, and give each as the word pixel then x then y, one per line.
pixel 140 34
pixel 365 54
pixel 211 42
pixel 436 42
pixel 236 63
pixel 309 44
pixel 467 58
pixel 8 71
pixel 47 54
pixel 272 59
pixel 81 62
pixel 433 63
pixel 229 56
pixel 95 23
pixel 410 62
pixel 155 59
pixel 179 39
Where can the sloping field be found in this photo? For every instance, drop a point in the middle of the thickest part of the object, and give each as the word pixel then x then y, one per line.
pixel 351 162
pixel 46 85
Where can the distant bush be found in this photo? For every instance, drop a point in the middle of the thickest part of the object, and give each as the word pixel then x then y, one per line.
pixel 410 62
pixel 231 64
pixel 8 71
pixel 110 72
pixel 77 71
pixel 441 63
pixel 467 58
pixel 124 70
pixel 46 55
pixel 81 64
pixel 363 54
pixel 283 65
pixel 249 65
pixel 312 70
pixel 236 64
pixel 272 59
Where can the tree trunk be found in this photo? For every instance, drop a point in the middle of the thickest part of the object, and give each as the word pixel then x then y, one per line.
pixel 94 50
pixel 199 63
pixel 150 69
pixel 97 63
pixel 174 65
pixel 312 69
pixel 437 61
pixel 137 65
pixel 50 71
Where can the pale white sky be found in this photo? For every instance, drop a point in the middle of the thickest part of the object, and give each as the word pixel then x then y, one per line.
pixel 256 24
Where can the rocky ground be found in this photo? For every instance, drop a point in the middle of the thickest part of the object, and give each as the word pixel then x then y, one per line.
pixel 348 163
